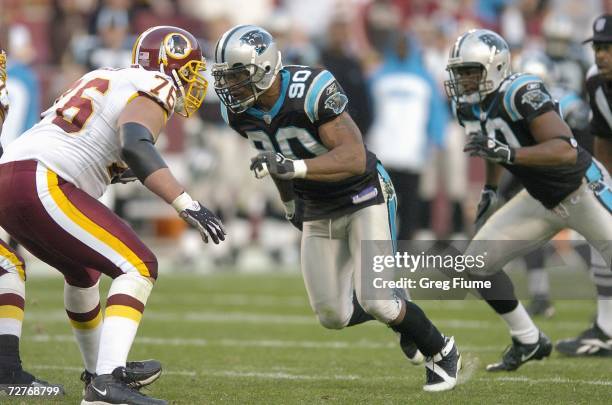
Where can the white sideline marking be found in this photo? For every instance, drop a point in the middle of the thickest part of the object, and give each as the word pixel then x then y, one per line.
pixel 302 344
pixel 280 375
pixel 557 380
pixel 286 376
pixel 243 317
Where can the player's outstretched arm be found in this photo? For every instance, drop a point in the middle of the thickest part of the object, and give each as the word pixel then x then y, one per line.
pixel 139 126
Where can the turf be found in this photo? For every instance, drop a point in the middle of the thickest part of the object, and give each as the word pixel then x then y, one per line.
pixel 251 339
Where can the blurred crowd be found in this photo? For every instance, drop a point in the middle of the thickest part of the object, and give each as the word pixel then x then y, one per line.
pixel 389 55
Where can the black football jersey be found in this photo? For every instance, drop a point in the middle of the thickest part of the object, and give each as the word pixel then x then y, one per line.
pixel 309 98
pixel 506 115
pixel 600 99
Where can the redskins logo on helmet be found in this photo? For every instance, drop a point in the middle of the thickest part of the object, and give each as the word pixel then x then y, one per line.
pixel 176 45
pixel 178 54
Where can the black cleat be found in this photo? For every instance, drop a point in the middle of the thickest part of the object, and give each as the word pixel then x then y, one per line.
pixel 441 370
pixel 20 378
pixel 541 306
pixel 591 342
pixel 114 389
pixel 519 353
pixel 138 374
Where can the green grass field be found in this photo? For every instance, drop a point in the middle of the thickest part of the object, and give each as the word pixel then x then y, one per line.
pixel 252 339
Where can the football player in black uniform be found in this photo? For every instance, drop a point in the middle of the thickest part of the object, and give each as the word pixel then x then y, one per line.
pixel 597 340
pixel 332 187
pixel 512 121
pixel 575 112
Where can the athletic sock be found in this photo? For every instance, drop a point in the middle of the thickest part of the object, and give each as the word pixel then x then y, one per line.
pixel 83 309
pixel 521 326
pixel 12 304
pixel 124 307
pixel 420 330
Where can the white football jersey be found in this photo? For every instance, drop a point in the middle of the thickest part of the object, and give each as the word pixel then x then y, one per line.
pixel 78 137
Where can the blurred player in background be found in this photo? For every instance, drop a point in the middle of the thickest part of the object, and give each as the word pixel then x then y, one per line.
pixel 12 287
pixel 597 340
pixel 102 130
pixel 332 187
pixel 512 122
pixel 566 54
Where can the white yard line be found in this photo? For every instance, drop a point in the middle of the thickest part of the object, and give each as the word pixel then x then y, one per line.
pixel 265 343
pixel 263 318
pixel 557 380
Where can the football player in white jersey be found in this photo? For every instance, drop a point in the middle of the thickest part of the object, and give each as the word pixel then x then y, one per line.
pixel 12 290
pixel 52 175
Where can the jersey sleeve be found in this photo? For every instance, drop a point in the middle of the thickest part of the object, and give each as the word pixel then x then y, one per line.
pixel 155 86
pixel 600 124
pixel 325 99
pixel 526 98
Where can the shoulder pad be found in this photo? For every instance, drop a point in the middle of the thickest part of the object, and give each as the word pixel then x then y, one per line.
pixel 323 80
pixel 157 86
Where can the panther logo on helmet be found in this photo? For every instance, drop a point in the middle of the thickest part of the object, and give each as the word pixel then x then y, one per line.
pixel 494 41
pixel 257 39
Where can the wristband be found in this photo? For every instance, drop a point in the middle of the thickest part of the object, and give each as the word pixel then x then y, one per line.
pixel 184 201
pixel 300 169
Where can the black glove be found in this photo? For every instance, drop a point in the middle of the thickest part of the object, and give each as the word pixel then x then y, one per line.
pixel 294 212
pixel 123 176
pixel 489 148
pixel 204 221
pixel 278 166
pixel 486 206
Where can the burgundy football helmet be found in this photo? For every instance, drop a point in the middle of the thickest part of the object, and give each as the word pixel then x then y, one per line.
pixel 178 54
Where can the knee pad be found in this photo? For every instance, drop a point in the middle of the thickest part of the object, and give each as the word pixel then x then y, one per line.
pixel 128 296
pixel 81 299
pixel 132 284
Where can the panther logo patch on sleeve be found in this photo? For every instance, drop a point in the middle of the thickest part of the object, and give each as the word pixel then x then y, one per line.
pixel 536 98
pixel 336 102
